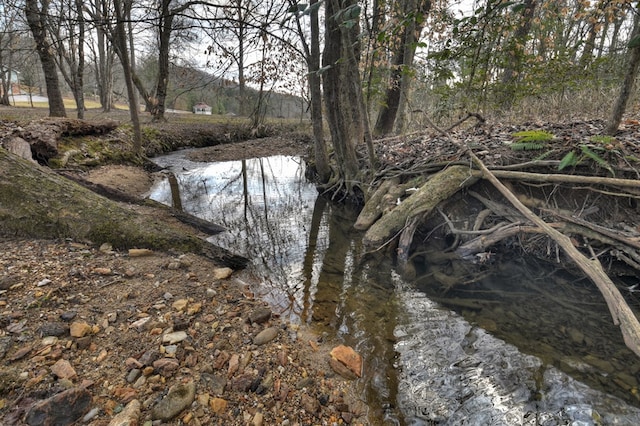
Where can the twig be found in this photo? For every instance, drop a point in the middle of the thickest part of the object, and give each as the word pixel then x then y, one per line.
pixel 501 225
pixel 480 119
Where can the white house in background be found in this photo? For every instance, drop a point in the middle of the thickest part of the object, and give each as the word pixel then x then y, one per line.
pixel 202 108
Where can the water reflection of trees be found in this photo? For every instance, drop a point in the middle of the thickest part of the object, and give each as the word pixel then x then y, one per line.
pixel 266 204
pixel 305 250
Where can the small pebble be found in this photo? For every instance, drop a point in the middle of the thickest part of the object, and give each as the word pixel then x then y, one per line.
pixel 91 414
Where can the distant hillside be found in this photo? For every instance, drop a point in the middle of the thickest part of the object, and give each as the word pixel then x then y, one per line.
pixel 188 86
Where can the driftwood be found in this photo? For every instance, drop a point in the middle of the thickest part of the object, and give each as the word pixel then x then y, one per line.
pixel 440 187
pixel 560 178
pixel 37 203
pixel 620 311
pixel 43 135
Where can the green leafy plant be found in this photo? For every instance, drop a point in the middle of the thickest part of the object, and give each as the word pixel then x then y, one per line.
pixel 570 159
pixel 533 136
pixel 597 158
pixel 573 159
pixel 529 140
pixel 602 139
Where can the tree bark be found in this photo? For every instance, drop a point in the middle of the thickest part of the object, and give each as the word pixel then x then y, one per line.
pixel 629 78
pixel 321 156
pixel 37 19
pixel 37 203
pixel 120 36
pixel 440 187
pixel 402 60
pixel 339 82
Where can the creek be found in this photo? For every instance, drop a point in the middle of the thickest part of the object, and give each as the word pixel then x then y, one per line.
pixel 524 343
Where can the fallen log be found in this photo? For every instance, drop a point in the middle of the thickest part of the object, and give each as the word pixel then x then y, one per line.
pixel 620 311
pixel 37 203
pixel 438 188
pixel 43 135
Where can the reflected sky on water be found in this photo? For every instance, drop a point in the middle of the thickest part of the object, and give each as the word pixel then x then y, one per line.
pixel 424 363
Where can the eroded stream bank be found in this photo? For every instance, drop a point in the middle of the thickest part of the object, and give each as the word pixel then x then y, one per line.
pixel 523 344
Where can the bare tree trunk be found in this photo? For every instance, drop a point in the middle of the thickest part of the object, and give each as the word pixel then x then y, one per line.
pixel 79 76
pixel 378 19
pixel 629 79
pixel 37 19
pixel 340 99
pixel 312 56
pixel 402 60
pixel 120 37
pixel 164 30
pixel 103 57
pixel 5 74
pixel 319 144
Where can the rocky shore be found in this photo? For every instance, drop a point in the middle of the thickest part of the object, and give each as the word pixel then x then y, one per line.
pixel 100 337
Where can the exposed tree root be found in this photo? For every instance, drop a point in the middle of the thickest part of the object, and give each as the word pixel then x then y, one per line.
pixel 621 313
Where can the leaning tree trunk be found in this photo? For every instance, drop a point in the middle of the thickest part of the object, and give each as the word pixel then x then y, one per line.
pixel 37 203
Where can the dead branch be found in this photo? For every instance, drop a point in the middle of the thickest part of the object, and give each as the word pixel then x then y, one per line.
pixel 497 208
pixel 596 228
pixel 483 242
pixel 481 120
pixel 620 311
pixel 560 178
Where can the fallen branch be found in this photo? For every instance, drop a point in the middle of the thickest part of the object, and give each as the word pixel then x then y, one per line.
pixel 596 228
pixel 557 178
pixel 483 242
pixel 620 311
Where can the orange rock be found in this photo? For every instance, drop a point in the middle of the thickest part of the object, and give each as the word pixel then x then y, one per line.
pixel 79 329
pixel 234 365
pixel 102 355
pixel 218 405
pixel 349 358
pixel 283 357
pixel 313 345
pixel 63 369
pixel 124 394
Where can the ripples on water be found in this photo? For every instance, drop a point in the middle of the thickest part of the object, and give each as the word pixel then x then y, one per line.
pixel 425 364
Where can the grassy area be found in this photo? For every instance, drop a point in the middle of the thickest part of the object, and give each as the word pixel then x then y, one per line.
pixel 68 103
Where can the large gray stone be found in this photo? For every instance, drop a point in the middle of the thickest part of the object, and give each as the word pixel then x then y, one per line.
pixel 179 397
pixel 266 335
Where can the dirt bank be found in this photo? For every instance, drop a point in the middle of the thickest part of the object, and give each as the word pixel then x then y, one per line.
pixel 130 328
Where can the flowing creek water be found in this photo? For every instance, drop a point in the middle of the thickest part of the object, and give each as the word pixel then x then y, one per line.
pixel 524 344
